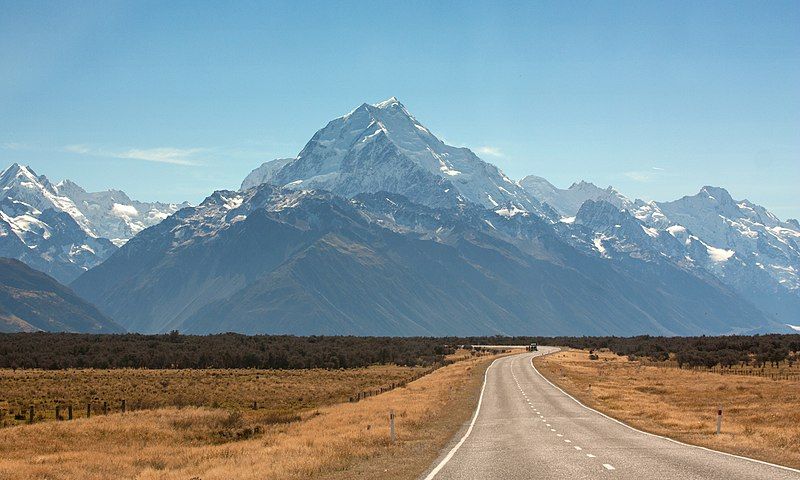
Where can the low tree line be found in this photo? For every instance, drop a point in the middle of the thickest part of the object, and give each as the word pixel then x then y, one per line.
pixel 705 351
pixel 69 350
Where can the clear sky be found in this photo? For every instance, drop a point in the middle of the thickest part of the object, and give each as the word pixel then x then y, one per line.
pixel 171 100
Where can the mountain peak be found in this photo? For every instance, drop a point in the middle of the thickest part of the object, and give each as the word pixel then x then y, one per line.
pixel 67 186
pixel 382 147
pixel 716 193
pixel 391 102
pixel 17 171
pixel 583 184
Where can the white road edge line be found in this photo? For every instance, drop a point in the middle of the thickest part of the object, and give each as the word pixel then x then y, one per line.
pixel 469 430
pixel 783 467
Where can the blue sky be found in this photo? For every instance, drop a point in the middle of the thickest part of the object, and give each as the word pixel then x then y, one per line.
pixel 171 100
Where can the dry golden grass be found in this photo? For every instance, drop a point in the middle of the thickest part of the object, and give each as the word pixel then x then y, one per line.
pixel 275 391
pixel 761 416
pixel 346 440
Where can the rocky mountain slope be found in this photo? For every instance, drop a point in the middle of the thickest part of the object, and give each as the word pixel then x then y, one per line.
pixel 271 260
pixel 31 301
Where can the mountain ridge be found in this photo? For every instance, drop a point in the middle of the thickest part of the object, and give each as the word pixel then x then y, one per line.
pixel 63 230
pixel 32 301
pixel 375 200
pixel 306 262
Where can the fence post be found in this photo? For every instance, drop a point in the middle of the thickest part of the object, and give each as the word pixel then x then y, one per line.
pixel 30 417
pixel 123 405
pixel 89 410
pixel 105 408
pixel 719 419
pixel 69 412
pixel 58 412
pixel 392 435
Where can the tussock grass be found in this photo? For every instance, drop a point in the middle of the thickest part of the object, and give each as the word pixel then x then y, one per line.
pixel 277 392
pixel 205 443
pixel 761 418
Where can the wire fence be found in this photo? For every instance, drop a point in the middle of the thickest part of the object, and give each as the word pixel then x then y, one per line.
pixel 789 373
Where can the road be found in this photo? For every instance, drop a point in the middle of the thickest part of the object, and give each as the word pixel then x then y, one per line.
pixel 528 428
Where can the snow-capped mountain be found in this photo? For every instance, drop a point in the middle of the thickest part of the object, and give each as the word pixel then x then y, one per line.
pixel 272 260
pixel 742 228
pixel 739 243
pixel 44 228
pixel 264 173
pixel 61 229
pixel 568 201
pixel 742 243
pixel 382 147
pixel 377 227
pixel 21 184
pixel 615 231
pixel 113 215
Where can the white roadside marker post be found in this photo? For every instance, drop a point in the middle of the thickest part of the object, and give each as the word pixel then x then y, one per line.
pixel 392 435
pixel 719 419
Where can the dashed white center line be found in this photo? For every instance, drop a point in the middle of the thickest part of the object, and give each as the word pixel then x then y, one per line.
pixel 559 435
pixel 552 429
pixel 578 448
pixel 609 466
pixel 590 455
pixel 568 441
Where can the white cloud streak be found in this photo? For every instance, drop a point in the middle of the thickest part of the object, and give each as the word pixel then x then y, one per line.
pixel 82 149
pixel 173 156
pixel 14 146
pixel 639 176
pixel 645 175
pixel 489 151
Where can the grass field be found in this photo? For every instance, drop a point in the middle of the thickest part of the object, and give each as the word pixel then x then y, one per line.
pixel 761 418
pixel 276 392
pixel 343 440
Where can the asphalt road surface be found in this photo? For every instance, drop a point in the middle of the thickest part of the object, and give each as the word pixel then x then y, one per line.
pixel 528 428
